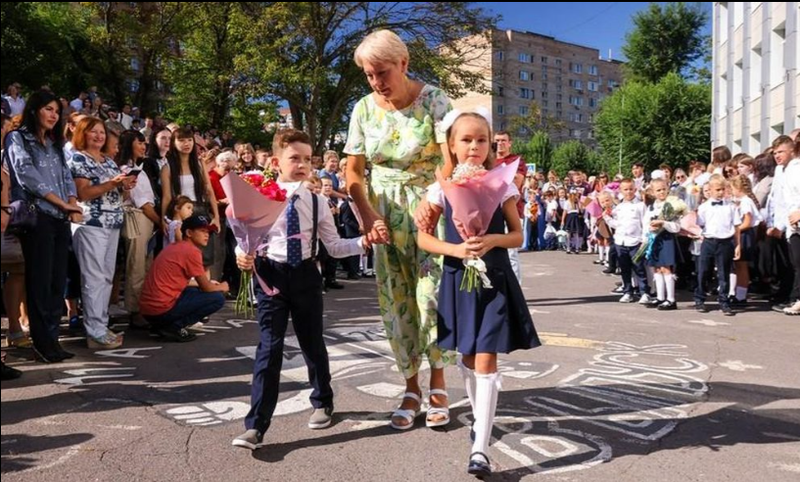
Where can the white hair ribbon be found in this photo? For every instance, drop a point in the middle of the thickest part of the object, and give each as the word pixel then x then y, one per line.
pixel 450 118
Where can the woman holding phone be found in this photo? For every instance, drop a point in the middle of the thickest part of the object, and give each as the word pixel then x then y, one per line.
pixel 141 219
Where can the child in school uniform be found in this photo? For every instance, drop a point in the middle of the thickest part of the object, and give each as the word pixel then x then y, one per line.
pixel 488 320
pixel 286 263
pixel 720 220
pixel 749 210
pixel 664 250
pixel 627 220
pixel 572 221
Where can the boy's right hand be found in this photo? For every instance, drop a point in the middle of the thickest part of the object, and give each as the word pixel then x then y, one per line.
pixel 245 262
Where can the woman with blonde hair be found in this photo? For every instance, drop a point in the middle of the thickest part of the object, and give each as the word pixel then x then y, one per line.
pixel 397 129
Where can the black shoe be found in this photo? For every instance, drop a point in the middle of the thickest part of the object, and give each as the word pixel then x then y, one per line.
pixel 179 335
pixel 727 311
pixel 64 354
pixel 734 301
pixel 654 303
pixel 353 277
pixel 50 355
pixel 608 271
pixel 479 465
pixel 334 285
pixel 701 307
pixel 668 306
pixel 10 373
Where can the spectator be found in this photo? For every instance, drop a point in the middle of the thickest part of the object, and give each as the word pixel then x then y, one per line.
pixel 16 103
pixel 78 103
pixel 169 302
pixel 125 117
pixel 100 184
pixel 40 176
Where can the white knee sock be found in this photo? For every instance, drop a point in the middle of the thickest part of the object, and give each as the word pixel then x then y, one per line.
pixel 661 294
pixel 468 375
pixel 486 389
pixel 669 281
pixel 732 284
pixel 741 293
pixel 601 251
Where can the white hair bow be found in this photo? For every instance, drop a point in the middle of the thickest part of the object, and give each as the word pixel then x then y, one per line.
pixel 454 114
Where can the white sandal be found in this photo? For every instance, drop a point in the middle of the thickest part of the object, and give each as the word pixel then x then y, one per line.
pixel 445 411
pixel 408 414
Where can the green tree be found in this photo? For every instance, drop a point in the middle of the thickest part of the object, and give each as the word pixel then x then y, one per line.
pixel 42 44
pixel 538 150
pixel 666 122
pixel 665 39
pixel 570 155
pixel 202 81
pixel 302 52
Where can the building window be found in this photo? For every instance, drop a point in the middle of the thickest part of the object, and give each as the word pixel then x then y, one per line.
pixel 558 106
pixel 523 110
pixel 525 93
pixel 523 57
pixel 544 94
pixel 558 88
pixel 559 97
pixel 501 109
pixel 545 103
pixel 576 101
pixel 592 70
pixel 544 85
pixel 500 56
pixel 544 60
pixel 524 75
pixel 592 86
pixel 576 68
pixel 576 133
pixel 592 102
pixel 577 84
pixel 544 76
pixel 544 69
pixel 558 62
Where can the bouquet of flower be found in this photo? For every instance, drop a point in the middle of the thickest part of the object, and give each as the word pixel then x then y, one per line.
pixel 671 211
pixel 255 203
pixel 474 195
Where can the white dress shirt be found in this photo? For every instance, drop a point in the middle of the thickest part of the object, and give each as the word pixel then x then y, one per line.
pixel 747 206
pixel 777 213
pixel 718 221
pixel 17 105
pixel 276 242
pixel 791 193
pixel 627 219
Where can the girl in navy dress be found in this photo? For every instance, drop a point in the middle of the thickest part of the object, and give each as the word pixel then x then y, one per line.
pixel 484 322
pixel 573 222
pixel 664 249
pixel 742 191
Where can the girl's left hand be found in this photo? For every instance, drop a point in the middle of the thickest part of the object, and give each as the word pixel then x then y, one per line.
pixel 737 253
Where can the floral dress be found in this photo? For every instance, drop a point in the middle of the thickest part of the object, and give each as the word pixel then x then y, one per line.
pixel 402 147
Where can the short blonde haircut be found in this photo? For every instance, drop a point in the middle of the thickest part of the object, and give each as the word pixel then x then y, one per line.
pixel 329 154
pixel 382 46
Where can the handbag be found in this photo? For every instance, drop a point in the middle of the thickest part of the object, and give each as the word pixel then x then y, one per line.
pixel 23 216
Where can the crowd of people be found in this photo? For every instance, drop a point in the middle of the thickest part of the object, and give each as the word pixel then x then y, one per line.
pixel 98 201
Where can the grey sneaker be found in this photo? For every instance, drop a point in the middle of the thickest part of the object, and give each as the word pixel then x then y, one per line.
pixel 251 439
pixel 320 418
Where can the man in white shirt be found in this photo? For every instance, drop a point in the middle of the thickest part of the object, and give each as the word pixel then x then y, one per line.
pixel 776 219
pixel 125 117
pixel 15 101
pixel 791 197
pixel 77 103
